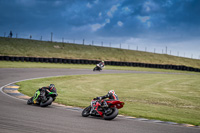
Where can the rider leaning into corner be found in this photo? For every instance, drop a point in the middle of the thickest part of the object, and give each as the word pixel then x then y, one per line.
pixel 101 64
pixel 111 96
pixel 48 89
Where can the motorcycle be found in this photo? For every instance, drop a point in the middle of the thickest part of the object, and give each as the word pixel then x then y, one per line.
pixel 98 68
pixel 42 98
pixel 108 112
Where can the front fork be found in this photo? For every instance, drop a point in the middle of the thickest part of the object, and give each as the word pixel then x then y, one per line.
pixel 39 95
pixel 94 106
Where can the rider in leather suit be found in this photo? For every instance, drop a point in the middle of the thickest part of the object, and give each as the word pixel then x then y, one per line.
pixel 111 96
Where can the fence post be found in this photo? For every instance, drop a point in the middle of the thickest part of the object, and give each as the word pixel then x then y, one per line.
pixel 51 36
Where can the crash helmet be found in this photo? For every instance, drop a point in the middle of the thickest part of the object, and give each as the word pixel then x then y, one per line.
pixel 111 92
pixel 51 86
pixel 102 61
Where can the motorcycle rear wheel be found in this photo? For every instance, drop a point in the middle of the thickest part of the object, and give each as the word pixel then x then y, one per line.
pixel 86 111
pixel 48 102
pixel 111 115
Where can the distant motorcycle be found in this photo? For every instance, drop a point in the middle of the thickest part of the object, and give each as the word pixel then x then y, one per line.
pixel 108 113
pixel 42 98
pixel 98 68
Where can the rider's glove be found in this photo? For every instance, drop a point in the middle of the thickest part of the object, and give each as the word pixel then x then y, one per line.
pixel 99 98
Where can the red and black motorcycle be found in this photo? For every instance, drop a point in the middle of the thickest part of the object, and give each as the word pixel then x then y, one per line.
pixel 108 112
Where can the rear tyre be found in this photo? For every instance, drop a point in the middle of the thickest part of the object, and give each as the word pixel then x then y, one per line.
pixel 111 115
pixel 48 102
pixel 86 111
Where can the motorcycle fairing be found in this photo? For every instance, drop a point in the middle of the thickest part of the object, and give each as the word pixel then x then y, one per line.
pixel 115 103
pixel 37 93
pixel 95 104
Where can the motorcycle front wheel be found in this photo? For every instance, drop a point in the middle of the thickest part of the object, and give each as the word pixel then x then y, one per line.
pixel 48 102
pixel 86 111
pixel 30 101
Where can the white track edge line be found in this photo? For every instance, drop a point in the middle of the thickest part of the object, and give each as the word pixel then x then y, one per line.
pixel 1 89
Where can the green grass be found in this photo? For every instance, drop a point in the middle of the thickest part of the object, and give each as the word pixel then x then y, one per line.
pixel 25 47
pixel 167 97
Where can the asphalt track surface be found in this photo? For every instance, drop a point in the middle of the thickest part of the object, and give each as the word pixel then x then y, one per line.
pixel 18 117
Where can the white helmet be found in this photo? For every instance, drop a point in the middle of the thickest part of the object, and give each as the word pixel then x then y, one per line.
pixel 111 91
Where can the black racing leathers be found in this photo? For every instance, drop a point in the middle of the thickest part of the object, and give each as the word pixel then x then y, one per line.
pixel 101 64
pixel 110 96
pixel 53 89
pixel 46 90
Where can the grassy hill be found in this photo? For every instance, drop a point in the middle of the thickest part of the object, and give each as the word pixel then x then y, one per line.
pixel 34 48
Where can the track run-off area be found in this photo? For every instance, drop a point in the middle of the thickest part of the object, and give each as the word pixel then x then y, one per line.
pixel 17 117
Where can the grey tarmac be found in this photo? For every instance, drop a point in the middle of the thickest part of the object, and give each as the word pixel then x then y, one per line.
pixel 17 117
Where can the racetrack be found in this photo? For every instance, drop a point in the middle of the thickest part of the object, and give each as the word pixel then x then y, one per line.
pixel 17 117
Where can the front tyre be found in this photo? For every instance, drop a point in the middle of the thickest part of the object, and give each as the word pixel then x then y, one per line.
pixel 48 102
pixel 111 115
pixel 30 101
pixel 86 111
pixel 95 69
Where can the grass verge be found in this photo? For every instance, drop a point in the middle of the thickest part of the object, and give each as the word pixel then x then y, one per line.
pixel 34 48
pixel 155 96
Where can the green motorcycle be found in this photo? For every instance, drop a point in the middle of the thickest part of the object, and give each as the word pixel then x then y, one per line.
pixel 42 98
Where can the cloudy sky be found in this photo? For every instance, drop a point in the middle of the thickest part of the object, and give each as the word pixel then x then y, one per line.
pixel 171 26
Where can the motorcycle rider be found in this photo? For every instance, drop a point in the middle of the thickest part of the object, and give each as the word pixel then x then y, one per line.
pixel 101 64
pixel 48 89
pixel 111 96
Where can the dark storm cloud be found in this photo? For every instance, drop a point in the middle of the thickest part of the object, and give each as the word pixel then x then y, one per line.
pixel 137 16
pixel 121 20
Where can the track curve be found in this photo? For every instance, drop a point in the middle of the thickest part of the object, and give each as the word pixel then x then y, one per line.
pixel 17 117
